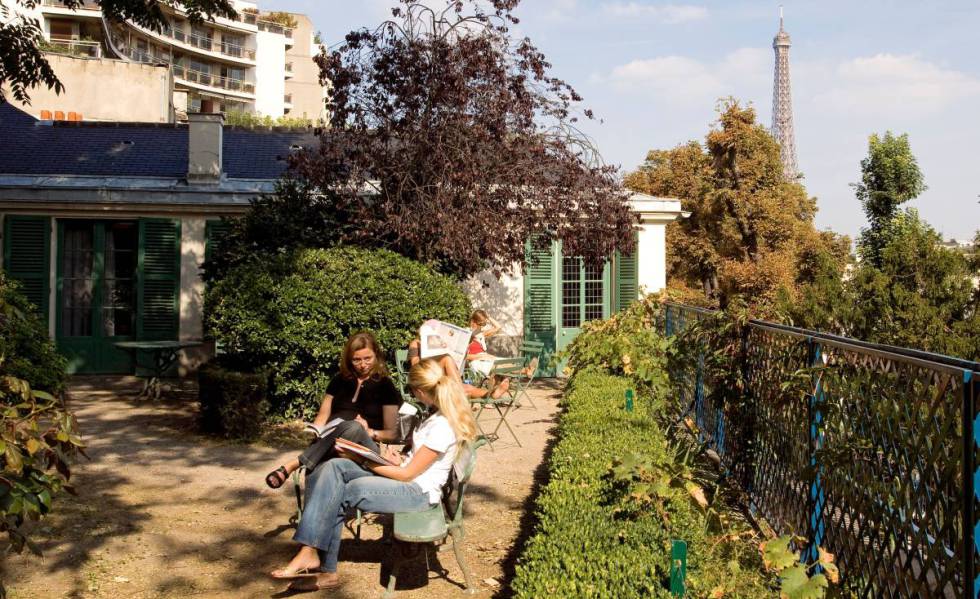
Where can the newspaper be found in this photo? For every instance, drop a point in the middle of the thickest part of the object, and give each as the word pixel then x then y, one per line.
pixel 439 338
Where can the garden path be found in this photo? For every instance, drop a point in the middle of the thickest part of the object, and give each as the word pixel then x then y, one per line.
pixel 166 512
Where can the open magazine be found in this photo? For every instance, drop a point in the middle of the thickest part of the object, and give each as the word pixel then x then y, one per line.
pixel 439 338
pixel 362 451
pixel 326 429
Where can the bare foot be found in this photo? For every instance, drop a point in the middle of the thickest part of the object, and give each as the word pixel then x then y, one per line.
pixel 500 389
pixel 304 564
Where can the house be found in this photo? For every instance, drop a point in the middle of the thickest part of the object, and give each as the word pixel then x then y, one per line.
pixel 258 62
pixel 107 224
pixel 557 293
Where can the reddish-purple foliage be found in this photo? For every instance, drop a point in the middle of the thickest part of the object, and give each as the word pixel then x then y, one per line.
pixel 450 143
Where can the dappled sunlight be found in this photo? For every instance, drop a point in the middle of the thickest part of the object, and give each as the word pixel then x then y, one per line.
pixel 166 511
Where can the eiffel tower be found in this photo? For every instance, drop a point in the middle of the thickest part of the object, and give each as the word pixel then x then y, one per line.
pixel 782 104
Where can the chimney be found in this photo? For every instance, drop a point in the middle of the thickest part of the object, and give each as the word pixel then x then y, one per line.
pixel 204 147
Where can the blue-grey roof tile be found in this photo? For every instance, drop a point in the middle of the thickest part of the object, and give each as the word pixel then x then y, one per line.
pixel 32 147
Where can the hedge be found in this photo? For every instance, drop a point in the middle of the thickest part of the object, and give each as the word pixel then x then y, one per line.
pixel 233 404
pixel 291 314
pixel 590 541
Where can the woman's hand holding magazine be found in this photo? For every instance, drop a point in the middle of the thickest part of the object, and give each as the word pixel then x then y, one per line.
pixel 359 453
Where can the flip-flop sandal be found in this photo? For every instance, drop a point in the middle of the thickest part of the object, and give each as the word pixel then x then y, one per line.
pixel 277 477
pixel 309 585
pixel 300 573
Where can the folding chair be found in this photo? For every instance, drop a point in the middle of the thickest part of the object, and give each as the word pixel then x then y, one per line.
pixel 435 525
pixel 521 370
pixel 503 406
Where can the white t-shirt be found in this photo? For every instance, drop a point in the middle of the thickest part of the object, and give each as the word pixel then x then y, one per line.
pixel 436 434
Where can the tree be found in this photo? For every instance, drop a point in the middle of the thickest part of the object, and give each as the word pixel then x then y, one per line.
pixel 22 62
pixel 451 144
pixel 890 176
pixel 919 294
pixel 908 289
pixel 750 231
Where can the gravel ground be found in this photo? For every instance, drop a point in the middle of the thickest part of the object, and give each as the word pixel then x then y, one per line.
pixel 166 512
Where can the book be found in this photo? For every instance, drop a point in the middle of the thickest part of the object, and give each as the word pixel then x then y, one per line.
pixel 362 451
pixel 438 338
pixel 326 429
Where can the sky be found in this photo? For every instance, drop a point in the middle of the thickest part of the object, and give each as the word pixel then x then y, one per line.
pixel 653 73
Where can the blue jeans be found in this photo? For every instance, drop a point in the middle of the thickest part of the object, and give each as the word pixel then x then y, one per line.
pixel 339 485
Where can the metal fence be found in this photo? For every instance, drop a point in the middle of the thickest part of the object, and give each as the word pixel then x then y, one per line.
pixel 876 461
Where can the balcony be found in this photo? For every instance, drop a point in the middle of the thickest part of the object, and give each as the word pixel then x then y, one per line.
pixel 289 70
pixel 205 43
pixel 213 81
pixel 86 49
pixel 287 99
pixel 272 27
pixel 57 6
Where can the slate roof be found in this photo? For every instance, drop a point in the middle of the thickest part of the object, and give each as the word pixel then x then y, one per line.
pixel 32 147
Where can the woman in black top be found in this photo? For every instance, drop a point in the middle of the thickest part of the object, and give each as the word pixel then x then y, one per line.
pixel 363 395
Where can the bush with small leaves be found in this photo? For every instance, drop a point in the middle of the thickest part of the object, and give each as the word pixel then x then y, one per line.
pixel 291 314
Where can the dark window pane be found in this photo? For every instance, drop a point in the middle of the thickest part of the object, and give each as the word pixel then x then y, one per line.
pixel 77 280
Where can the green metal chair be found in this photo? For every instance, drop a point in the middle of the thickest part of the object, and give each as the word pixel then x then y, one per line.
pixel 521 370
pixel 437 524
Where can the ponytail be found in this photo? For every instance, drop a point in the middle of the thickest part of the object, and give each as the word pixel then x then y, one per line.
pixel 447 393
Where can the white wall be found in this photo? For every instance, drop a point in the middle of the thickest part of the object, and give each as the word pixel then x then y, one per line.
pixel 652 257
pixel 503 299
pixel 270 73
pixel 192 239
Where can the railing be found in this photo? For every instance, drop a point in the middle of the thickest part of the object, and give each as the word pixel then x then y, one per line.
pixel 74 47
pixel 876 462
pixel 273 27
pixel 84 5
pixel 206 42
pixel 202 78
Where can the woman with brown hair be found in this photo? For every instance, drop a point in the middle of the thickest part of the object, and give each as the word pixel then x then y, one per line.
pixel 411 483
pixel 363 395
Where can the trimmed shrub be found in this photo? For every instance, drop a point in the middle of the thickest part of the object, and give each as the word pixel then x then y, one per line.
pixel 233 404
pixel 604 535
pixel 27 351
pixel 291 314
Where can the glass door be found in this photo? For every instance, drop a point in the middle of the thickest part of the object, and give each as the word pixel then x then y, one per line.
pixel 97 264
pixel 584 296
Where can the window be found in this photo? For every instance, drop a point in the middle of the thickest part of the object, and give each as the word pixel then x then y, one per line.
pixel 62 30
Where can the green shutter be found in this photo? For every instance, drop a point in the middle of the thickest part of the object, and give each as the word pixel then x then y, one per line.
pixel 539 303
pixel 627 280
pixel 27 257
pixel 158 314
pixel 214 232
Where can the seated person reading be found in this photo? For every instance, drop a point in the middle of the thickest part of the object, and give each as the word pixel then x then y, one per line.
pixel 446 361
pixel 362 395
pixel 411 484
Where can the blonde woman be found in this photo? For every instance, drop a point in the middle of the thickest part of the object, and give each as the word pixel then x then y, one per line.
pixel 414 485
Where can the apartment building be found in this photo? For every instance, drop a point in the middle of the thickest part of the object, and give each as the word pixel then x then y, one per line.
pixel 259 63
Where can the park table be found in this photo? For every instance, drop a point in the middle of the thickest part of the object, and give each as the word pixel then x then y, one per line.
pixel 165 354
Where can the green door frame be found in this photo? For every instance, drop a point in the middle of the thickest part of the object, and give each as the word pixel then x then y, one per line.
pixel 567 334
pixel 95 353
pixel 558 336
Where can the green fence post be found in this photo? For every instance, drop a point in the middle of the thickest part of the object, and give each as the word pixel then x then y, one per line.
pixel 678 567
pixel 629 400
